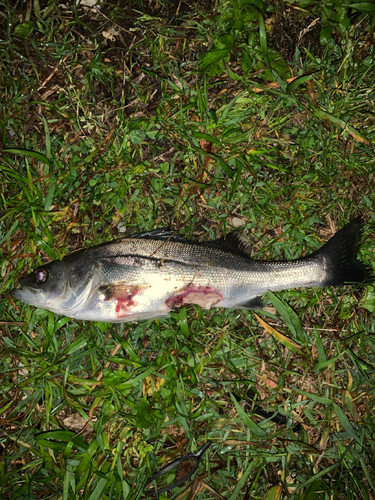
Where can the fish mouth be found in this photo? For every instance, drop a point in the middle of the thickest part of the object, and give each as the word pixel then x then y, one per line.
pixel 17 293
pixel 66 302
pixel 26 294
pixel 32 296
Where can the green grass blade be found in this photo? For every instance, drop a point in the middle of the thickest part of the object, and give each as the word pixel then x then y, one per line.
pixel 252 426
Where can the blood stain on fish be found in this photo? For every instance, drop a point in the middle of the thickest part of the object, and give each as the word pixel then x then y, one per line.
pixel 124 304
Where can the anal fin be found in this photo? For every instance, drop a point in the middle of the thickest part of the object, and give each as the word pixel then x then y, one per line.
pixel 252 304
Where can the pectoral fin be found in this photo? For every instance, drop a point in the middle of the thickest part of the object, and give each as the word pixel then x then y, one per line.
pixel 123 293
pixel 121 290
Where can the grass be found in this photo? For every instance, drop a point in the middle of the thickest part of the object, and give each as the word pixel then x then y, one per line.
pixel 123 119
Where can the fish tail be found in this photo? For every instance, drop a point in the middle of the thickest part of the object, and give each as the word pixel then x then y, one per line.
pixel 340 257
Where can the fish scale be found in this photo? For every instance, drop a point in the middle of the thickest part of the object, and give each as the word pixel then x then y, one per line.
pixel 145 276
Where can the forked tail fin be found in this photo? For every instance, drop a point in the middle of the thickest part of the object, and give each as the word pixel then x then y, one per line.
pixel 340 256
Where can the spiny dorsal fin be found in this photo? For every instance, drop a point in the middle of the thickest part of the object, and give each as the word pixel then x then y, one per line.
pixel 234 242
pixel 159 234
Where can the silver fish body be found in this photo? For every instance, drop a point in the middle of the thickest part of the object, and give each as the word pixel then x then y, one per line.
pixel 146 276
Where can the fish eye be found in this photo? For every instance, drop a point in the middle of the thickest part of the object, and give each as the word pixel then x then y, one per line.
pixel 41 275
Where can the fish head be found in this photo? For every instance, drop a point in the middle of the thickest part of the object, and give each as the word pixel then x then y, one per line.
pixel 60 286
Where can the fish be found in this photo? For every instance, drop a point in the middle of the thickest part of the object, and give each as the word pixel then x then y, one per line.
pixel 149 274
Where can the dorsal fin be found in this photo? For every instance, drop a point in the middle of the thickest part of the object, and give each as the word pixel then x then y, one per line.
pixel 159 234
pixel 234 242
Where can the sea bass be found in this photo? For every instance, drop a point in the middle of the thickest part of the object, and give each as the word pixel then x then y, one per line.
pixel 147 275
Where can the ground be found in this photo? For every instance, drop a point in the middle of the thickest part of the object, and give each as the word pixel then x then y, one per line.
pixel 204 117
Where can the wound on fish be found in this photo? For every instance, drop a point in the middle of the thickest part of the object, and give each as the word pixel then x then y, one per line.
pixel 204 296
